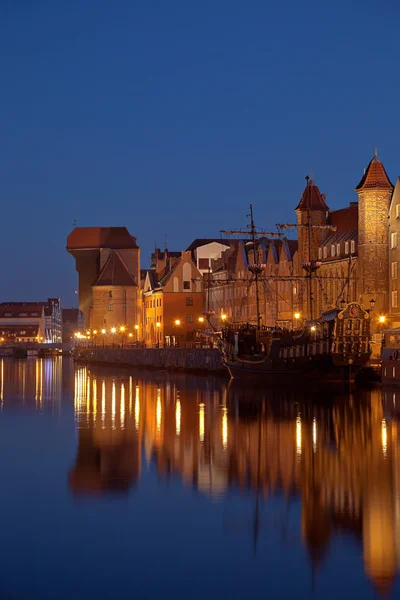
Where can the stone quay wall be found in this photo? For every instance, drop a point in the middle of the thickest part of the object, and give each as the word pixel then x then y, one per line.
pixel 206 360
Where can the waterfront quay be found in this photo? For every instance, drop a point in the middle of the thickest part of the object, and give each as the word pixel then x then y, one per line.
pixel 200 360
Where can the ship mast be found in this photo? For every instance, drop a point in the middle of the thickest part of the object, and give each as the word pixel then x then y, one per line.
pixel 255 268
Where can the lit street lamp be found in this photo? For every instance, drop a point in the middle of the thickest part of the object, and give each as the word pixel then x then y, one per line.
pixel 113 330
pixel 122 330
pixel 223 317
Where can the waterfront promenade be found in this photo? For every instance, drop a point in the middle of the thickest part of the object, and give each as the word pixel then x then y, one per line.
pixel 201 360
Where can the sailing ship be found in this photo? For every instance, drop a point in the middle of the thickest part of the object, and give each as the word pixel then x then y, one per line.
pixel 332 347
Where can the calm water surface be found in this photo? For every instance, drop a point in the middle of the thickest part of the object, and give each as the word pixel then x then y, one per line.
pixel 122 484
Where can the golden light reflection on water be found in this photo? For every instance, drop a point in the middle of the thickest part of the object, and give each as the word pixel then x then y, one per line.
pixel 201 422
pixel 137 407
pixel 178 418
pixel 384 438
pixel 298 436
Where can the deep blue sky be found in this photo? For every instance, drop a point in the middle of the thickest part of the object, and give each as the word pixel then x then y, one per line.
pixel 171 116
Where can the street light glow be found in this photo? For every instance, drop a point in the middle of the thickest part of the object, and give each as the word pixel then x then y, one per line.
pixel 313 328
pixel 95 332
pixel 122 329
pixel 382 319
pixel 201 319
pixel 136 326
pixel 297 315
pixel 113 330
pixel 223 316
pixel 177 322
pixel 158 324
pixel 103 331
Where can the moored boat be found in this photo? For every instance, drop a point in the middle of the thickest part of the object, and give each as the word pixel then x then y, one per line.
pixel 332 348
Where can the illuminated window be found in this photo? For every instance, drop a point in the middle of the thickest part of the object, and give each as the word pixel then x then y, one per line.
pixel 319 253
pixel 397 211
pixel 353 246
pixel 394 299
pixel 333 250
pixel 186 285
pixel 189 301
pixel 189 318
pixel 346 247
pixel 394 270
pixel 325 252
pixel 338 249
pixel 394 240
pixel 294 290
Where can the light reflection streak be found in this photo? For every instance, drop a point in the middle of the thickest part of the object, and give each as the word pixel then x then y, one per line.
pixel 298 437
pixel 314 434
pixel 384 438
pixel 130 395
pixel 94 399
pixel 137 408
pixel 103 403
pixel 178 417
pixel 224 427
pixel 158 411
pixel 122 407
pixel 113 404
pixel 201 422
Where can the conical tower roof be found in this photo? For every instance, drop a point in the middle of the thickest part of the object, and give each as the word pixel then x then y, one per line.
pixel 312 199
pixel 375 177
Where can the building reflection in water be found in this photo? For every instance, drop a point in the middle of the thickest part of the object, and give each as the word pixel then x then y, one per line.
pixel 34 383
pixel 339 456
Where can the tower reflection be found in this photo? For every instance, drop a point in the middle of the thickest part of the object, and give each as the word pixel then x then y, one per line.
pixel 338 455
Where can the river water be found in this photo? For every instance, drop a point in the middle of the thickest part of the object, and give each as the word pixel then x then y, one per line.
pixel 126 484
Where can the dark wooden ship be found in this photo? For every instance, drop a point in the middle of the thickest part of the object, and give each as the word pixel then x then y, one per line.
pixel 331 348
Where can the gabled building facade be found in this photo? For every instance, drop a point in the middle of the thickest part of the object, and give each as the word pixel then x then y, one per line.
pixel 173 299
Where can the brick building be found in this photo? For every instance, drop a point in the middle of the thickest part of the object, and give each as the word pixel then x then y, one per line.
pixel 173 299
pixel 108 265
pixel 31 321
pixel 350 245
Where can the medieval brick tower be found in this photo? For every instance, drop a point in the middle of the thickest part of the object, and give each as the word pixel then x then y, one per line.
pixel 311 212
pixel 374 194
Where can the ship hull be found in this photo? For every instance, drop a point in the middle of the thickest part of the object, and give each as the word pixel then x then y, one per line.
pixel 319 369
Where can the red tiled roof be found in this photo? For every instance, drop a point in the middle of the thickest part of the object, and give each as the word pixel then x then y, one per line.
pixel 117 238
pixel 312 199
pixel 115 272
pixel 375 177
pixel 345 219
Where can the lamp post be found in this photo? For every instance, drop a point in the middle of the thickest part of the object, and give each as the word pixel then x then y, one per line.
pixel 103 333
pixel 94 337
pixel 137 332
pixel 113 330
pixel 297 316
pixel 122 330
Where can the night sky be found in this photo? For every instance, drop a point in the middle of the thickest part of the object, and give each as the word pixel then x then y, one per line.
pixel 169 117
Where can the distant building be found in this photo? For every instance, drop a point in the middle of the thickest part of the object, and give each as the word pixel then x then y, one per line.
pixel 173 299
pixel 205 251
pixel 31 321
pixel 73 321
pixel 108 265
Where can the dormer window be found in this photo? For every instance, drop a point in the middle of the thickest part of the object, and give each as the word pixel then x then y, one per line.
pixel 320 253
pixel 353 246
pixel 325 252
pixel 397 211
pixel 338 249
pixel 346 247
pixel 333 250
